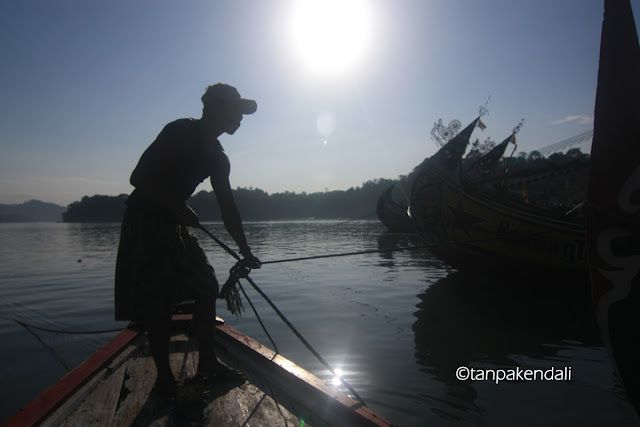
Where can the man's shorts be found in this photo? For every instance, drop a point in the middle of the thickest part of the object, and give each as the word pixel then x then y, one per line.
pixel 158 261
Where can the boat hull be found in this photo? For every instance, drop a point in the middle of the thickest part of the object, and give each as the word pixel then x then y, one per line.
pixel 393 215
pixel 469 231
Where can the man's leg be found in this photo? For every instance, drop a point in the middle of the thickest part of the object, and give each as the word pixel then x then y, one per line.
pixel 203 286
pixel 205 325
pixel 159 338
pixel 204 313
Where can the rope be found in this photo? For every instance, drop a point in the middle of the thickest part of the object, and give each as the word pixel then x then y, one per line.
pixel 427 246
pixel 232 253
pixel 219 242
pixel 304 341
pixel 285 320
pixel 60 331
pixel 50 349
pixel 264 328
pixel 371 251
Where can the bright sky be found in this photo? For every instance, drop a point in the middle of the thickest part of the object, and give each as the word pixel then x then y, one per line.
pixel 343 96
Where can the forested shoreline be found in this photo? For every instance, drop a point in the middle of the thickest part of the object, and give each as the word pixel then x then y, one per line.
pixel 561 177
pixel 254 204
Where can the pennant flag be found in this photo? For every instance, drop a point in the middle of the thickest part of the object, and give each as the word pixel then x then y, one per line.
pixel 481 125
pixel 513 139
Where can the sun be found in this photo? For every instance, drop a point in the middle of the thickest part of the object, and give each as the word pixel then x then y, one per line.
pixel 330 37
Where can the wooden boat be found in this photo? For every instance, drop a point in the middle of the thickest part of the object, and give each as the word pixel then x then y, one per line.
pixel 613 206
pixel 393 205
pixel 470 228
pixel 114 387
pixel 393 213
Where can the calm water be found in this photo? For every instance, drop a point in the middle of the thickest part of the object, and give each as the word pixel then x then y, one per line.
pixel 397 325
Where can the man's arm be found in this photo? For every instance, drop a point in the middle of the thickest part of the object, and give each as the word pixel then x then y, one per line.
pixel 229 210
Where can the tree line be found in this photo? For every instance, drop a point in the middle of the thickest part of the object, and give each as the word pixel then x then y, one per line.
pixel 560 178
pixel 254 204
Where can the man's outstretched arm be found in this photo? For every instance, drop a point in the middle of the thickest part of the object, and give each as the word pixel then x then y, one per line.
pixel 230 214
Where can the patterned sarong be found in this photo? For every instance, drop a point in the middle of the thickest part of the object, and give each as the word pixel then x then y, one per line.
pixel 158 260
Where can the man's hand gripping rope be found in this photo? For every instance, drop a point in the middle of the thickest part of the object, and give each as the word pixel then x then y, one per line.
pixel 229 291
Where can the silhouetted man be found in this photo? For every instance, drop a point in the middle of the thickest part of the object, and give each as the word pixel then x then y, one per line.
pixel 159 261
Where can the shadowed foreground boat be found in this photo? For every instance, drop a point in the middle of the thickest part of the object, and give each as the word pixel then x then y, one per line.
pixel 613 201
pixel 115 387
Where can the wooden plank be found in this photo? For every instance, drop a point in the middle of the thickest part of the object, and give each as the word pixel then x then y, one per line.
pixel 135 402
pixel 78 396
pixel 139 405
pixel 44 404
pixel 100 406
pixel 247 405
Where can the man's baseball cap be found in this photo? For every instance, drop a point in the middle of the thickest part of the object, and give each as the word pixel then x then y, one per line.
pixel 221 91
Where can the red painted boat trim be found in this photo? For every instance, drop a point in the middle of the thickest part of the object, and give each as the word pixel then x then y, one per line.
pixel 36 410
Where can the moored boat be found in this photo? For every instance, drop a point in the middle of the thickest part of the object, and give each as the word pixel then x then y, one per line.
pixel 471 223
pixel 393 204
pixel 114 387
pixel 392 212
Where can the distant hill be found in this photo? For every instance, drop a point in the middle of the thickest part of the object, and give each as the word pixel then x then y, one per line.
pixel 31 211
pixel 96 208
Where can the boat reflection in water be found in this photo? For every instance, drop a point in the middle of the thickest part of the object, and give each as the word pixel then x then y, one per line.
pixel 390 243
pixel 492 322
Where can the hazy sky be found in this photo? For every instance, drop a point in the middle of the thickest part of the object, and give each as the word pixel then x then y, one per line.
pixel 87 85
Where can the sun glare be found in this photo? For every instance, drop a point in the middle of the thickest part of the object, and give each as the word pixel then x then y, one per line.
pixel 330 36
pixel 337 376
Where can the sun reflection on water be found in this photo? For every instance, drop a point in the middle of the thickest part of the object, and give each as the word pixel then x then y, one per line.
pixel 336 378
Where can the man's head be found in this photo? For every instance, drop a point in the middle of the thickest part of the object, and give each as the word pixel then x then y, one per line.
pixel 223 107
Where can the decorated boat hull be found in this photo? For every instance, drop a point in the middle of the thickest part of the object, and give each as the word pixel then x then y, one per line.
pixel 469 230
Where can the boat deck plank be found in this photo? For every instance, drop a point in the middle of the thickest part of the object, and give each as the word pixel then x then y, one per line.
pixel 124 396
pixel 138 383
pixel 100 406
pixel 114 387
